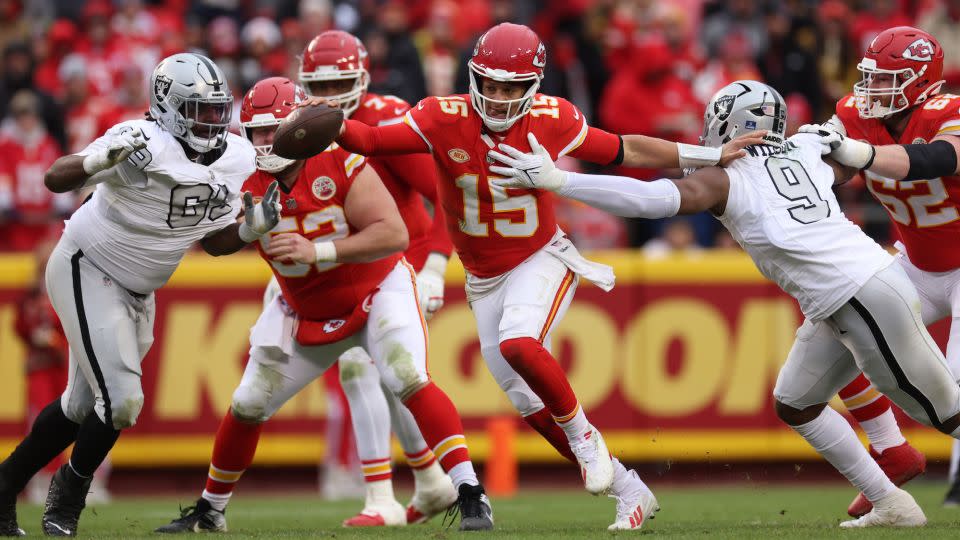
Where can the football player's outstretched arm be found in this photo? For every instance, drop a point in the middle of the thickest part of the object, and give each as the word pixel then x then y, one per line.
pixel 257 220
pixel 370 209
pixel 897 161
pixel 704 189
pixel 72 171
pixel 652 153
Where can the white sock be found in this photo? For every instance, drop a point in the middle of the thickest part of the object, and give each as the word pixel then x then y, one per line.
pixel 379 491
pixel 883 431
pixel 463 473
pixel 217 501
pixel 576 426
pixel 833 438
pixel 428 475
pixel 625 481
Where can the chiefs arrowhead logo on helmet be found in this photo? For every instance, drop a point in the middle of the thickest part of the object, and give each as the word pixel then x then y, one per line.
pixel 540 59
pixel 920 50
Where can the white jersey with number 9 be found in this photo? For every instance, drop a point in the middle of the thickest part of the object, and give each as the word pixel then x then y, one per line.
pixel 782 210
pixel 147 211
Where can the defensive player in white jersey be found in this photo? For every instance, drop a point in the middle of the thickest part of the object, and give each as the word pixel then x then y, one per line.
pixel 162 184
pixel 779 205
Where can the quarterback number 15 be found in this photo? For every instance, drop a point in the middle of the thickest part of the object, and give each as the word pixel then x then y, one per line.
pixel 507 227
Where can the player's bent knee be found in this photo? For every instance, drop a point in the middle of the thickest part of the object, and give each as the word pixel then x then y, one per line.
pixel 250 405
pixel 124 414
pixel 795 417
pixel 356 367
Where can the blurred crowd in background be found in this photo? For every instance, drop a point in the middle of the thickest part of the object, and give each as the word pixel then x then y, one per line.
pixel 70 69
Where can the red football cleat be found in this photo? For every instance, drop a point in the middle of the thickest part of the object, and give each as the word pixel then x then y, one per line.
pixel 900 464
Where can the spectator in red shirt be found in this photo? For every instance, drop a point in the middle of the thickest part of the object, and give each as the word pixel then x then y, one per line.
pixel 878 16
pixel 31 209
pixel 88 115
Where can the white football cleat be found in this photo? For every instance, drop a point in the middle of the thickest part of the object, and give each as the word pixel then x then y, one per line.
pixel 431 497
pixel 635 505
pixel 898 509
pixel 596 467
pixel 380 514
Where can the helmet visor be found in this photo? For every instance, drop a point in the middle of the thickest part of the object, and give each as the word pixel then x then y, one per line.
pixel 207 118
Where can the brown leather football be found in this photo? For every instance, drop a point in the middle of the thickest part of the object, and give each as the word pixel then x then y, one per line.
pixel 307 131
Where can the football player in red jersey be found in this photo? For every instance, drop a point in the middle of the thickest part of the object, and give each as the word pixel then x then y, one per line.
pixel 336 255
pixel 521 270
pixel 902 132
pixel 335 66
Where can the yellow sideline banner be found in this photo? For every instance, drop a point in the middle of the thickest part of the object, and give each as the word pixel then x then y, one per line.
pixel 677 363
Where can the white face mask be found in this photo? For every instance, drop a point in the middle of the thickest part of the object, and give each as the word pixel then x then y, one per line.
pixel 515 109
pixel 267 161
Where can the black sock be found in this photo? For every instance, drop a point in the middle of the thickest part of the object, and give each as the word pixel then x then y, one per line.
pixel 94 441
pixel 51 434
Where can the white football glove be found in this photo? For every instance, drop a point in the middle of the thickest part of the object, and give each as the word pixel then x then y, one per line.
pixel 119 150
pixel 535 170
pixel 260 218
pixel 835 143
pixel 430 284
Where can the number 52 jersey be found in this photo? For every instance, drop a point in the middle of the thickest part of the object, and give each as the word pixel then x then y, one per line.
pixel 149 210
pixel 926 212
pixel 782 210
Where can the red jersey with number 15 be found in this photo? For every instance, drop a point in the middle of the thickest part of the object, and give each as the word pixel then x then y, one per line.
pixel 494 229
pixel 926 212
pixel 313 207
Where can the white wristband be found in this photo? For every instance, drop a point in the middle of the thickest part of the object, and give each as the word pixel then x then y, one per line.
pixel 246 233
pixel 326 251
pixel 93 163
pixel 692 156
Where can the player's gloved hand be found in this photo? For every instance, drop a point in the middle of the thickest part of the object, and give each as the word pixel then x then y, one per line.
pixel 119 150
pixel 839 147
pixel 260 218
pixel 430 284
pixel 535 170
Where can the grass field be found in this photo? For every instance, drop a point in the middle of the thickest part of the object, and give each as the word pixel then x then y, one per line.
pixel 687 512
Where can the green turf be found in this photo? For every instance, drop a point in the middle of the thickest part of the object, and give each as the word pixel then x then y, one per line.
pixel 716 512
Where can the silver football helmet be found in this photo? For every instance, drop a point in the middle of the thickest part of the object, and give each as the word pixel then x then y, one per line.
pixel 189 97
pixel 741 107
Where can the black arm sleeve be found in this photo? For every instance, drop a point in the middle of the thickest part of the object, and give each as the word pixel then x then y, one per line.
pixel 933 160
pixel 619 159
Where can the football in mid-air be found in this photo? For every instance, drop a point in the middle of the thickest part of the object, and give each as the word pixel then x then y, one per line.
pixel 307 131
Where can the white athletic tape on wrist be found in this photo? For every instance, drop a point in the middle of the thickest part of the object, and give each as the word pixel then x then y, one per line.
pixel 692 156
pixel 325 251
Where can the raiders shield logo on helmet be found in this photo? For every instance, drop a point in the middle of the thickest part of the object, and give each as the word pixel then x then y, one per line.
pixel 722 107
pixel 161 87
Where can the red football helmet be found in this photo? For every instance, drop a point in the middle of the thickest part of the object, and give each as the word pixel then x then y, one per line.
pixel 902 67
pixel 509 53
pixel 266 104
pixel 336 55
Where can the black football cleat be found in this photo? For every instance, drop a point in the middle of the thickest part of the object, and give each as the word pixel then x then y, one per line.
pixel 65 501
pixel 200 517
pixel 8 517
pixel 475 511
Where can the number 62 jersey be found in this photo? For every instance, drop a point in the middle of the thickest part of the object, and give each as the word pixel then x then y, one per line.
pixel 782 210
pixel 149 210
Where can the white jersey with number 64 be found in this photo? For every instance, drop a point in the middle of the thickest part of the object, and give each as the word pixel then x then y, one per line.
pixel 147 211
pixel 782 210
